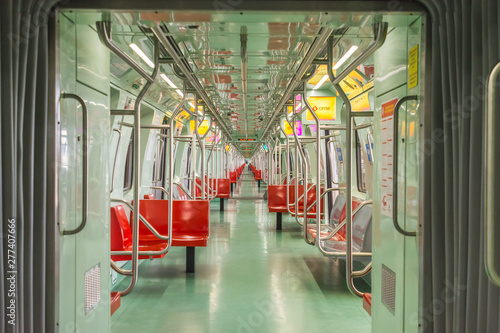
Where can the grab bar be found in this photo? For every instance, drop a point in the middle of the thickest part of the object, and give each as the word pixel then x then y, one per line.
pixel 380 34
pixel 104 33
pixel 184 190
pixel 141 218
pixel 160 153
pixel 395 167
pixel 112 187
pixel 85 164
pixel 489 230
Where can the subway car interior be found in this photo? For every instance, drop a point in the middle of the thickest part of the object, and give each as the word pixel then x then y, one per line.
pixel 249 166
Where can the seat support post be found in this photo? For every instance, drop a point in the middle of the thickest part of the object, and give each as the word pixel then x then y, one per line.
pixel 221 204
pixel 190 259
pixel 278 220
pixel 258 183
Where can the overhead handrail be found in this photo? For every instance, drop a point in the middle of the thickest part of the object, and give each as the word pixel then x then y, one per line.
pixel 189 76
pixel 380 33
pixel 490 173
pixel 84 164
pixel 395 174
pixel 112 187
pixel 314 49
pixel 104 33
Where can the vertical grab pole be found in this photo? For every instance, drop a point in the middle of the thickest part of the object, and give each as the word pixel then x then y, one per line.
pixel 489 229
pixel 287 167
pixel 84 164
pixel 137 170
pixel 318 166
pixel 348 212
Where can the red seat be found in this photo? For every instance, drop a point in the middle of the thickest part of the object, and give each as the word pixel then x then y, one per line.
pixel 223 187
pixel 149 196
pixel 276 198
pixel 258 175
pixel 232 176
pixel 367 303
pixel 115 300
pixel 191 225
pixel 311 197
pixel 121 236
pixel 208 191
pixel 340 235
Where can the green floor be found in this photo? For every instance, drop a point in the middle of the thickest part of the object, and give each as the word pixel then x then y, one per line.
pixel 250 278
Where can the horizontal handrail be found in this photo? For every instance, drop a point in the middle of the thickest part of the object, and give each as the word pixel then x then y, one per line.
pixel 119 270
pixel 332 189
pixel 344 221
pixel 184 190
pixel 141 218
pixel 161 188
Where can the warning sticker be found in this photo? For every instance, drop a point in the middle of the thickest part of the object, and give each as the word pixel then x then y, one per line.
pixel 413 67
pixel 387 134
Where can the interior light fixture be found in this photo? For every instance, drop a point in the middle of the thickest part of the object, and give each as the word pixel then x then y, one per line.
pixel 192 105
pixel 345 57
pixel 337 65
pixel 141 54
pixel 169 82
pixel 320 83
pixel 179 92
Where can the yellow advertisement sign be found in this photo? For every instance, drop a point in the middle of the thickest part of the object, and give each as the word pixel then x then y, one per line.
pixel 413 67
pixel 202 128
pixel 324 107
pixel 288 128
pixel 361 103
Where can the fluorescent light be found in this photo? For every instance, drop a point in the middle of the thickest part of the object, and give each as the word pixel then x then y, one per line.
pixel 142 55
pixel 345 57
pixel 179 92
pixel 192 105
pixel 166 79
pixel 320 83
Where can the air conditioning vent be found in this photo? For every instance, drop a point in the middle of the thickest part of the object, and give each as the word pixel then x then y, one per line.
pixel 92 288
pixel 389 288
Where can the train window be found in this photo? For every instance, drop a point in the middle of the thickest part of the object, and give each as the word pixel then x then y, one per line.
pixel 360 166
pixel 129 165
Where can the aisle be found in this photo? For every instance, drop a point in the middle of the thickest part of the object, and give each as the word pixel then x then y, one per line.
pixel 249 279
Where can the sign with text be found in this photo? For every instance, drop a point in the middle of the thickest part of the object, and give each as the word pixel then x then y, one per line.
pixel 324 107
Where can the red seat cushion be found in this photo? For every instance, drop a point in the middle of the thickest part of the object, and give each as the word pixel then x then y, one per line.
pixel 121 237
pixel 115 301
pixel 149 196
pixel 223 188
pixel 191 224
pixel 276 198
pixel 367 303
